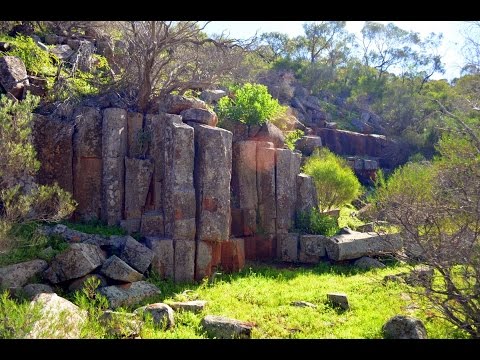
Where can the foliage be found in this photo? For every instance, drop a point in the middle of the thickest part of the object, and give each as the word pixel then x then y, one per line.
pixel 37 61
pixel 95 227
pixel 292 137
pixel 348 218
pixel 435 205
pixel 16 319
pixel 317 223
pixel 250 104
pixel 335 181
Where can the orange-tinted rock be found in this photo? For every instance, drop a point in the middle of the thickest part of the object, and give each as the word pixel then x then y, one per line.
pixel 208 258
pixel 233 255
pixel 244 222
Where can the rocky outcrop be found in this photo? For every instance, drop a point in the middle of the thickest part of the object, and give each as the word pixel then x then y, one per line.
pixel 220 327
pixel 266 187
pixel 200 116
pixel 270 133
pixel 208 257
pixel 287 247
pixel 138 175
pixel 233 255
pixel 136 255
pixel 13 76
pixel 312 248
pixel 184 260
pixel 212 96
pixel 175 104
pixel 307 144
pixel 18 275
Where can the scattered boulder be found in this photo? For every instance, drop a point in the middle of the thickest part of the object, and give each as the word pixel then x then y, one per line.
pixel 128 294
pixel 37 85
pixel 355 244
pixel 120 324
pixel 338 300
pixel 162 314
pixel 60 319
pixel 404 327
pixel 32 290
pixel 201 116
pixel 303 304
pixel 53 39
pixel 13 76
pixel 77 261
pixel 212 96
pixel 220 327
pixel 307 144
pixel 175 104
pixel 63 52
pixel 136 255
pixel 18 275
pixel 117 269
pixel 195 306
pixel 366 262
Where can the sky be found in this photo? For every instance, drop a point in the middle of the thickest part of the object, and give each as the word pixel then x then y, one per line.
pixel 450 50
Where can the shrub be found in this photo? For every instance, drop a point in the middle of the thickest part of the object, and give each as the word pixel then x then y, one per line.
pixel 314 222
pixel 250 104
pixel 291 137
pixel 335 181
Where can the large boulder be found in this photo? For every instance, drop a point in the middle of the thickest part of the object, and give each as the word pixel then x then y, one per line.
pixel 59 318
pixel 138 175
pixel 162 314
pixel 212 96
pixel 87 162
pixel 79 284
pixel 201 116
pixel 18 275
pixel 404 327
pixel 117 269
pixel 32 290
pixel 212 174
pixel 368 263
pixel 63 52
pixel 312 248
pixel 136 255
pixel 13 76
pixel 78 260
pixel 221 327
pixel 270 133
pixel 307 144
pixel 54 152
pixel 356 244
pixel 128 294
pixel 175 104
pixel 163 256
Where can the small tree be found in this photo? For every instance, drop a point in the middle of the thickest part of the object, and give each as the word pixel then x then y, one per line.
pixel 250 104
pixel 21 199
pixel 335 181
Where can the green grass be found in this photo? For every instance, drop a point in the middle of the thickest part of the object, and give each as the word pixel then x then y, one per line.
pixel 347 217
pixel 95 227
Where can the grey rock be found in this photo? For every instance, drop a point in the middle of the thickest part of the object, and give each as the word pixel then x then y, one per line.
pixel 356 244
pixel 78 260
pixel 175 104
pixel 136 255
pixel 138 175
pixel 78 284
pixel 312 248
pixel 287 247
pixel 18 275
pixel 420 275
pixel 163 258
pixel 270 133
pixel 53 39
pixel 225 328
pixel 366 262
pixel 303 304
pixel 184 260
pixel 32 290
pixel 404 327
pixel 13 76
pixel 152 223
pixel 116 269
pixel 59 318
pixel 162 314
pixel 307 144
pixel 120 324
pixel 195 306
pixel 201 116
pixel 306 193
pixel 338 300
pixel 63 52
pixel 131 225
pixel 212 96
pixel 128 294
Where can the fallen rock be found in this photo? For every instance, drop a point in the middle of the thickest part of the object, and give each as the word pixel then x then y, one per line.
pixel 270 133
pixel 212 96
pixel 117 269
pixel 32 290
pixel 77 261
pixel 78 284
pixel 303 304
pixel 356 244
pixel 175 104
pixel 120 324
pixel 60 319
pixel 307 144
pixel 287 247
pixel 13 76
pixel 404 327
pixel 201 116
pixel 220 327
pixel 136 255
pixel 338 300
pixel 195 306
pixel 312 248
pixel 162 314
pixel 63 52
pixel 128 294
pixel 18 275
pixel 366 262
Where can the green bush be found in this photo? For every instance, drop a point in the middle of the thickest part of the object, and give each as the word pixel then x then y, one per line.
pixel 250 104
pixel 335 181
pixel 317 223
pixel 291 137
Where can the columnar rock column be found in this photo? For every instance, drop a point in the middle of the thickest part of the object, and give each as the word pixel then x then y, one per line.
pixel 114 149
